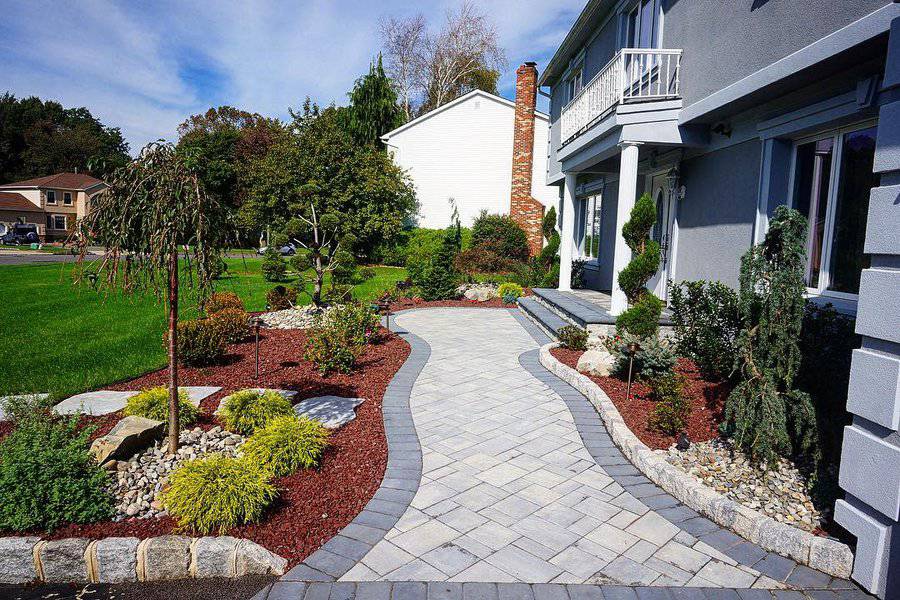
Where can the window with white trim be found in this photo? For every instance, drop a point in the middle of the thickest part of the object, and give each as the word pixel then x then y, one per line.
pixel 641 25
pixel 832 181
pixel 51 197
pixel 56 222
pixel 67 198
pixel 574 83
pixel 590 239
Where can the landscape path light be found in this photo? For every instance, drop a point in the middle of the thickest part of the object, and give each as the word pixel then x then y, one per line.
pixel 633 349
pixel 255 323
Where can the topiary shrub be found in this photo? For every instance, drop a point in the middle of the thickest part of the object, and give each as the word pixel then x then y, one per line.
pixel 578 273
pixel 642 319
pixel 501 235
pixel 234 324
pixel 281 298
pixel 765 413
pixel 245 411
pixel 216 493
pixel 273 266
pixel 672 409
pixel 48 477
pixel 153 404
pixel 286 444
pixel 510 292
pixel 654 358
pixel 644 264
pixel 548 223
pixel 707 322
pixel 200 342
pixel 573 338
pixel 219 301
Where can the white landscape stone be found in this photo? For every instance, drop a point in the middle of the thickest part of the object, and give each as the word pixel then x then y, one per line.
pixel 332 411
pixel 63 560
pixel 198 393
pixel 101 402
pixel 253 559
pixel 17 559
pixel 115 559
pixel 597 362
pixel 215 556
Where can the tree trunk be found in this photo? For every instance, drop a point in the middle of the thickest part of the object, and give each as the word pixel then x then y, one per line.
pixel 173 352
pixel 320 276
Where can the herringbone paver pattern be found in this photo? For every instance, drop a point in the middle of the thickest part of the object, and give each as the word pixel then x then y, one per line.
pixel 510 493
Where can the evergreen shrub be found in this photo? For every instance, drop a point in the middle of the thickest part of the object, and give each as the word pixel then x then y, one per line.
pixel 572 337
pixel 153 403
pixel 247 410
pixel 287 443
pixel 707 322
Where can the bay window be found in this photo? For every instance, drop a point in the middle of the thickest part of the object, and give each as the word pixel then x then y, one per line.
pixel 832 180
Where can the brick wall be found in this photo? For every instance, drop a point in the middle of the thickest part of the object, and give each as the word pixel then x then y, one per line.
pixel 524 209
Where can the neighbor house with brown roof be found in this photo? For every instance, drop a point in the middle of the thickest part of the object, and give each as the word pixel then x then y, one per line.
pixel 54 203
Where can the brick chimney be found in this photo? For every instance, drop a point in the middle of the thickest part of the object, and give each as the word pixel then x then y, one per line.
pixel 523 208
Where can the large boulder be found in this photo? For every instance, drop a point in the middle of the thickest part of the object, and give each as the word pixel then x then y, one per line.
pixel 129 436
pixel 478 292
pixel 597 362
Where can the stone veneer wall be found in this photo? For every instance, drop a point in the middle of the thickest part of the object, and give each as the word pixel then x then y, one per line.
pixel 870 458
pixel 523 208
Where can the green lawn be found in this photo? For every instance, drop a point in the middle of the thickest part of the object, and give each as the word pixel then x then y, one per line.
pixel 63 338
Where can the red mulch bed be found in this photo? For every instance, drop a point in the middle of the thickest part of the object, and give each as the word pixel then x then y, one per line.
pixel 707 400
pixel 313 505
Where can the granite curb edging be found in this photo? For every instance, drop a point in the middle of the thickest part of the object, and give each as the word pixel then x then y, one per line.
pixel 127 559
pixel 401 480
pixel 819 553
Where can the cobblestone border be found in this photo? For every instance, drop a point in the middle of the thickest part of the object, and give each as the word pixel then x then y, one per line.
pixel 125 559
pixel 822 554
pixel 398 487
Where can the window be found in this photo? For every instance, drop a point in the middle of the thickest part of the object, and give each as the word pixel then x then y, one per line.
pixel 51 197
pixel 573 84
pixel 832 180
pixel 56 222
pixel 67 198
pixel 590 243
pixel 641 26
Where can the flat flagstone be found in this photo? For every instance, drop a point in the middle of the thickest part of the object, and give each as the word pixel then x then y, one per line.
pixel 510 491
pixel 104 402
pixel 332 411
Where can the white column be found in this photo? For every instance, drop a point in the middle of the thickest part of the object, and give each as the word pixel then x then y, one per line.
pixel 567 235
pixel 627 191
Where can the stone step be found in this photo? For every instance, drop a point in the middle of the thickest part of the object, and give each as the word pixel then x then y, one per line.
pixel 546 318
pixel 578 311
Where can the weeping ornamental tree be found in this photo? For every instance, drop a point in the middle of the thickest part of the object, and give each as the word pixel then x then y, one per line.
pixel 642 318
pixel 154 206
pixel 373 109
pixel 767 416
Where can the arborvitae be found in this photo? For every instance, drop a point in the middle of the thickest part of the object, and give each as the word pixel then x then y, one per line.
pixel 767 416
pixel 642 318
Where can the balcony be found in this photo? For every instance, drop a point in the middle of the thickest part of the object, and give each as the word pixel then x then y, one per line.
pixel 633 75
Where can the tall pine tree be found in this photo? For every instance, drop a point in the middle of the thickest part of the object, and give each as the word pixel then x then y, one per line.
pixel 373 109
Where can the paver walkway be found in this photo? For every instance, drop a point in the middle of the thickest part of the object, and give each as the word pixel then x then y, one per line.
pixel 509 492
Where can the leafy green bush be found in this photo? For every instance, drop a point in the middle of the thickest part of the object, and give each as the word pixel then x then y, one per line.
pixel 219 268
pixel 273 266
pixel 707 322
pixel 234 324
pixel 339 337
pixel 414 245
pixel 219 301
pixel 480 260
pixel 281 298
pixel 766 413
pixel 247 410
pixel 578 273
pixel 153 403
pixel 642 319
pixel 48 478
pixel 551 277
pixel 287 443
pixel 511 290
pixel 501 235
pixel 365 274
pixel 200 342
pixel 573 338
pixel 440 278
pixel 216 493
pixel 672 409
pixel 654 358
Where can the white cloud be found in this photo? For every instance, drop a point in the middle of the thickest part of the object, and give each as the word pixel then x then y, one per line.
pixel 145 67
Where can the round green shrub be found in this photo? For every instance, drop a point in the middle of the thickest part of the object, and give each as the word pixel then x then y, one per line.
pixel 153 404
pixel 200 342
pixel 287 443
pixel 234 324
pixel 501 235
pixel 281 297
pixel 573 338
pixel 215 493
pixel 642 319
pixel 48 478
pixel 247 410
pixel 273 266
pixel 220 301
pixel 514 290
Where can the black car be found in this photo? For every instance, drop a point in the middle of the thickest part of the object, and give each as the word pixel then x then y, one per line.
pixel 21 233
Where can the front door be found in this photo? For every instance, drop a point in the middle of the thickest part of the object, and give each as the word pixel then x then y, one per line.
pixel 662 232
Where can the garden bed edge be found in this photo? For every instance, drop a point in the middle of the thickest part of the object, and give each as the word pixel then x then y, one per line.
pixel 823 554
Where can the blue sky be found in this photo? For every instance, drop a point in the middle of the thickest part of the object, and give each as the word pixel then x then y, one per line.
pixel 145 66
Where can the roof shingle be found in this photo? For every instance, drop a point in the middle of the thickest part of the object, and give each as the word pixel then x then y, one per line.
pixel 69 181
pixel 13 201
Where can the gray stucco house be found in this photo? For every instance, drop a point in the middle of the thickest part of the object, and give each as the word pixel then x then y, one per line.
pixel 721 110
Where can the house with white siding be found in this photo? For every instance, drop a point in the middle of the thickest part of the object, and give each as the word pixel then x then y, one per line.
pixel 463 151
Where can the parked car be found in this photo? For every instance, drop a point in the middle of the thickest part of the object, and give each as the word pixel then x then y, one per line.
pixel 285 250
pixel 21 233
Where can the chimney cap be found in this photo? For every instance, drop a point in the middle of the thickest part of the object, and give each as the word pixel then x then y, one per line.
pixel 529 63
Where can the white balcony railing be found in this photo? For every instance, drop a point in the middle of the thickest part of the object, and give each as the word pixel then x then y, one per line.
pixel 634 74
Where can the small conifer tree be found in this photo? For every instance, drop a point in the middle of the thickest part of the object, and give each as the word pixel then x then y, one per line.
pixel 642 319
